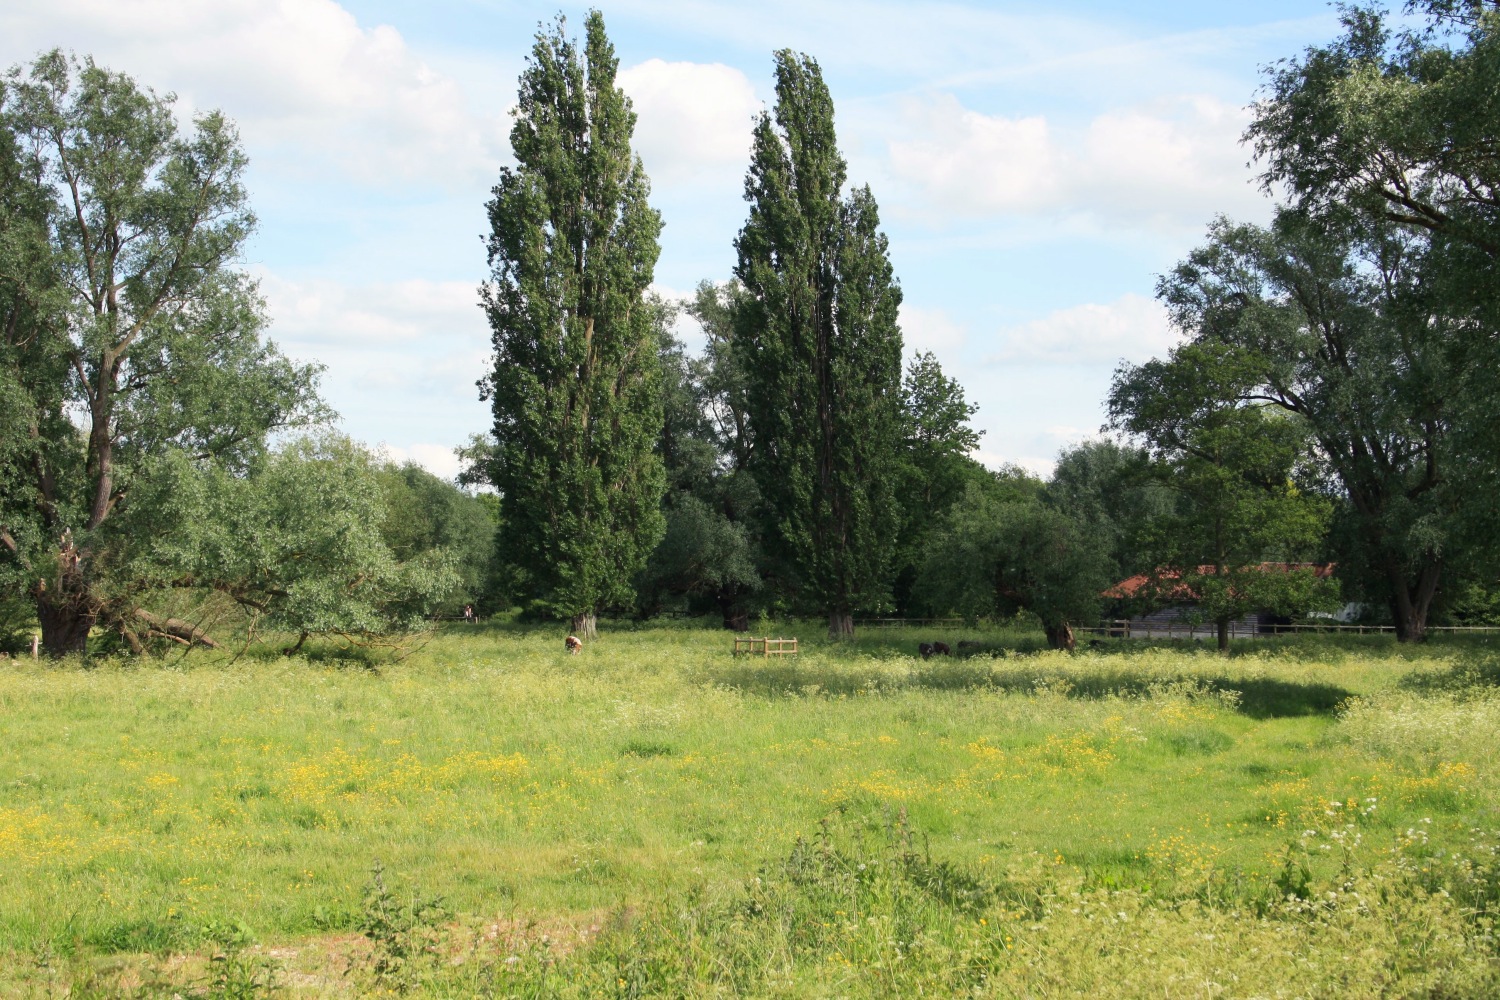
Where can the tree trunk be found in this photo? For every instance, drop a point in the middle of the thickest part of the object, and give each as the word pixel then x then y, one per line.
pixel 1223 630
pixel 840 625
pixel 65 623
pixel 1410 605
pixel 585 626
pixel 64 607
pixel 1061 636
pixel 735 618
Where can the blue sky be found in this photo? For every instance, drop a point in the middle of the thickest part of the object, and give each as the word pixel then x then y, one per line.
pixel 1037 166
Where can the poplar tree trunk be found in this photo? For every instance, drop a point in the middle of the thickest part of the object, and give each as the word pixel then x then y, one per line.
pixel 840 625
pixel 585 625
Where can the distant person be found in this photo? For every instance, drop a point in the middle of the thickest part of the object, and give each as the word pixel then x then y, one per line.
pixel 469 613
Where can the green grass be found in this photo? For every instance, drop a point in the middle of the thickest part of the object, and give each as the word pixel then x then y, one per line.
pixel 145 809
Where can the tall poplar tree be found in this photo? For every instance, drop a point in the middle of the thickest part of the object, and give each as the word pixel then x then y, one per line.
pixel 821 354
pixel 576 384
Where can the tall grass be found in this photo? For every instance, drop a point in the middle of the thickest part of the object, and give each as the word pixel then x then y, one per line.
pixel 687 822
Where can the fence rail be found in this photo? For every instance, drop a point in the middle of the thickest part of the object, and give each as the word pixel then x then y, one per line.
pixel 1122 629
pixel 906 622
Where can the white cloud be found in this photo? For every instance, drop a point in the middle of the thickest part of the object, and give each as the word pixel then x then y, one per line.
pixel 1131 328
pixel 995 461
pixel 1179 166
pixel 965 162
pixel 402 358
pixel 435 458
pixel 1171 165
pixel 299 76
pixel 694 120
pixel 398 313
pixel 930 330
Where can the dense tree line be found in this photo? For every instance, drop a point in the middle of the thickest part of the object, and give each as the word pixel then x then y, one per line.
pixel 1332 399
pixel 141 496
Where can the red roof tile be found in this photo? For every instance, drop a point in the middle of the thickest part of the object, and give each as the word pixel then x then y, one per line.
pixel 1182 592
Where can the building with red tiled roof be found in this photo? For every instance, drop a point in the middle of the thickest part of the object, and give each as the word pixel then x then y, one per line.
pixel 1170 603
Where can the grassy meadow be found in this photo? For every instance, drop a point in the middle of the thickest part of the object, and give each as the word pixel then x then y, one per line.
pixel 656 817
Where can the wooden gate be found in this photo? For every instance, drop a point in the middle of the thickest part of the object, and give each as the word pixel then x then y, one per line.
pixel 766 647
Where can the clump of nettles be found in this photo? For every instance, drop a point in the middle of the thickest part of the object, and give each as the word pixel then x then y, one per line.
pixel 406 936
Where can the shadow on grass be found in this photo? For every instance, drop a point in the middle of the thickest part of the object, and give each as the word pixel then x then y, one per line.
pixel 1310 647
pixel 1259 698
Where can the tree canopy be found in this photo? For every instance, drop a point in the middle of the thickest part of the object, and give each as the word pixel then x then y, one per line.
pixel 119 304
pixel 820 351
pixel 576 382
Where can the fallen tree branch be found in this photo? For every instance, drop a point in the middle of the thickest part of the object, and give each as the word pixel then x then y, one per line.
pixel 176 628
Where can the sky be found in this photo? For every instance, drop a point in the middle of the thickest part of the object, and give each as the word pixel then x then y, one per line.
pixel 1037 166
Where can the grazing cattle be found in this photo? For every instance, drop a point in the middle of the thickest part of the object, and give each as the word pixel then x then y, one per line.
pixel 574 643
pixel 925 648
pixel 941 649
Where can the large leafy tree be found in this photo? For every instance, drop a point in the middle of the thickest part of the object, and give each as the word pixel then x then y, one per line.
pixel 1333 318
pixel 576 381
pixel 1397 124
pixel 125 330
pixel 718 372
pixel 1001 550
pixel 936 441
pixel 1115 487
pixel 426 514
pixel 304 544
pixel 820 351
pixel 1229 462
pixel 709 552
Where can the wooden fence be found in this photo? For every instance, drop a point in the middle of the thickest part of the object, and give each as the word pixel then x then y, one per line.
pixel 766 647
pixel 1122 629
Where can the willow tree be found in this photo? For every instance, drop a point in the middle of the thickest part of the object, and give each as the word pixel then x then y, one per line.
pixel 127 332
pixel 575 387
pixel 820 352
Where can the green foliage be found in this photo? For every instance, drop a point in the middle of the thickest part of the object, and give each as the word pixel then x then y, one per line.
pixel 702 553
pixel 1385 141
pixel 719 372
pixel 1114 488
pixel 404 935
pixel 820 353
pixel 1229 461
pixel 936 444
pixel 297 542
pixel 576 383
pixel 711 550
pixel 120 302
pixel 1002 555
pixel 425 514
pixel 1333 321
